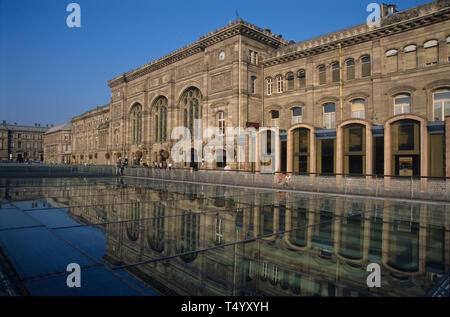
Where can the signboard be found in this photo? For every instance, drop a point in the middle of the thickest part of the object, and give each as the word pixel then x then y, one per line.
pixel 252 124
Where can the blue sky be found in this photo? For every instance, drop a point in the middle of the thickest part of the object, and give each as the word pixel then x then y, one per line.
pixel 50 73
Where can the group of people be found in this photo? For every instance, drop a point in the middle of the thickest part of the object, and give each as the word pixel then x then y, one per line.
pixel 162 165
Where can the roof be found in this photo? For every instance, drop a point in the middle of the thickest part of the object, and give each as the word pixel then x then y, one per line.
pixel 391 24
pixel 239 27
pixel 62 127
pixel 24 128
pixel 91 112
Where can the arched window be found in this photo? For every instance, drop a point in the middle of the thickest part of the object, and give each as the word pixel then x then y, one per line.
pixel 358 108
pixel 336 75
pixel 221 122
pixel 431 52
pixel 410 56
pixel 329 116
pixel 280 84
pixel 136 124
pixel 297 115
pixel 402 103
pixel 301 78
pixel 391 61
pixel 252 84
pixel 441 104
pixel 350 69
pixel 290 80
pixel 269 86
pixel 322 75
pixel 191 101
pixel 274 117
pixel 365 66
pixel 160 109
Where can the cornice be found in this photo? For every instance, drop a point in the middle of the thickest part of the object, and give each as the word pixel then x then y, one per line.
pixel 239 27
pixel 397 23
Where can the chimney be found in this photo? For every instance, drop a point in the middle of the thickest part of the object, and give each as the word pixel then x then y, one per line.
pixel 51 125
pixel 46 125
pixel 15 123
pixel 4 123
pixel 388 9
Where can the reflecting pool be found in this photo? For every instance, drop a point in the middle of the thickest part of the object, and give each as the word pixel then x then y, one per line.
pixel 144 237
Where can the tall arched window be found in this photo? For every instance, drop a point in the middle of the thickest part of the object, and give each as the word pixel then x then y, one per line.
pixel 391 61
pixel 301 78
pixel 365 66
pixel 431 52
pixel 290 80
pixel 269 86
pixel 350 64
pixel 280 84
pixel 191 100
pixel 402 103
pixel 410 57
pixel 441 104
pixel 136 124
pixel 358 108
pixel 322 75
pixel 160 110
pixel 336 75
pixel 221 122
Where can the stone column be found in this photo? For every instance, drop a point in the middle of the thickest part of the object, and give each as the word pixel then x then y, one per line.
pixel 290 152
pixel 312 151
pixel 424 155
pixel 339 150
pixel 258 153
pixel 369 150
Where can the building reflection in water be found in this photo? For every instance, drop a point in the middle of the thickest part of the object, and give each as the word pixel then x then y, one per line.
pixel 212 240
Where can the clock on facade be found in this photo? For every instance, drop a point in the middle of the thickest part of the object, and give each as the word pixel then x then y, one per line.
pixel 222 55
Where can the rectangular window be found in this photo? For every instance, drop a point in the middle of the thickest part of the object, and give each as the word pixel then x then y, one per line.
pixel 358 109
pixel 329 116
pixel 252 84
pixel 406 137
pixel 350 70
pixel 322 75
pixel 431 55
pixel 296 115
pixel 402 104
pixel 391 61
pixel 336 76
pixel 302 78
pixel 410 57
pixel 441 105
pixel 355 139
pixel 365 66
pixel 269 86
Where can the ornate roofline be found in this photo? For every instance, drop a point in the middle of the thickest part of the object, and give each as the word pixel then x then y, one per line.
pixel 413 18
pixel 90 113
pixel 239 27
